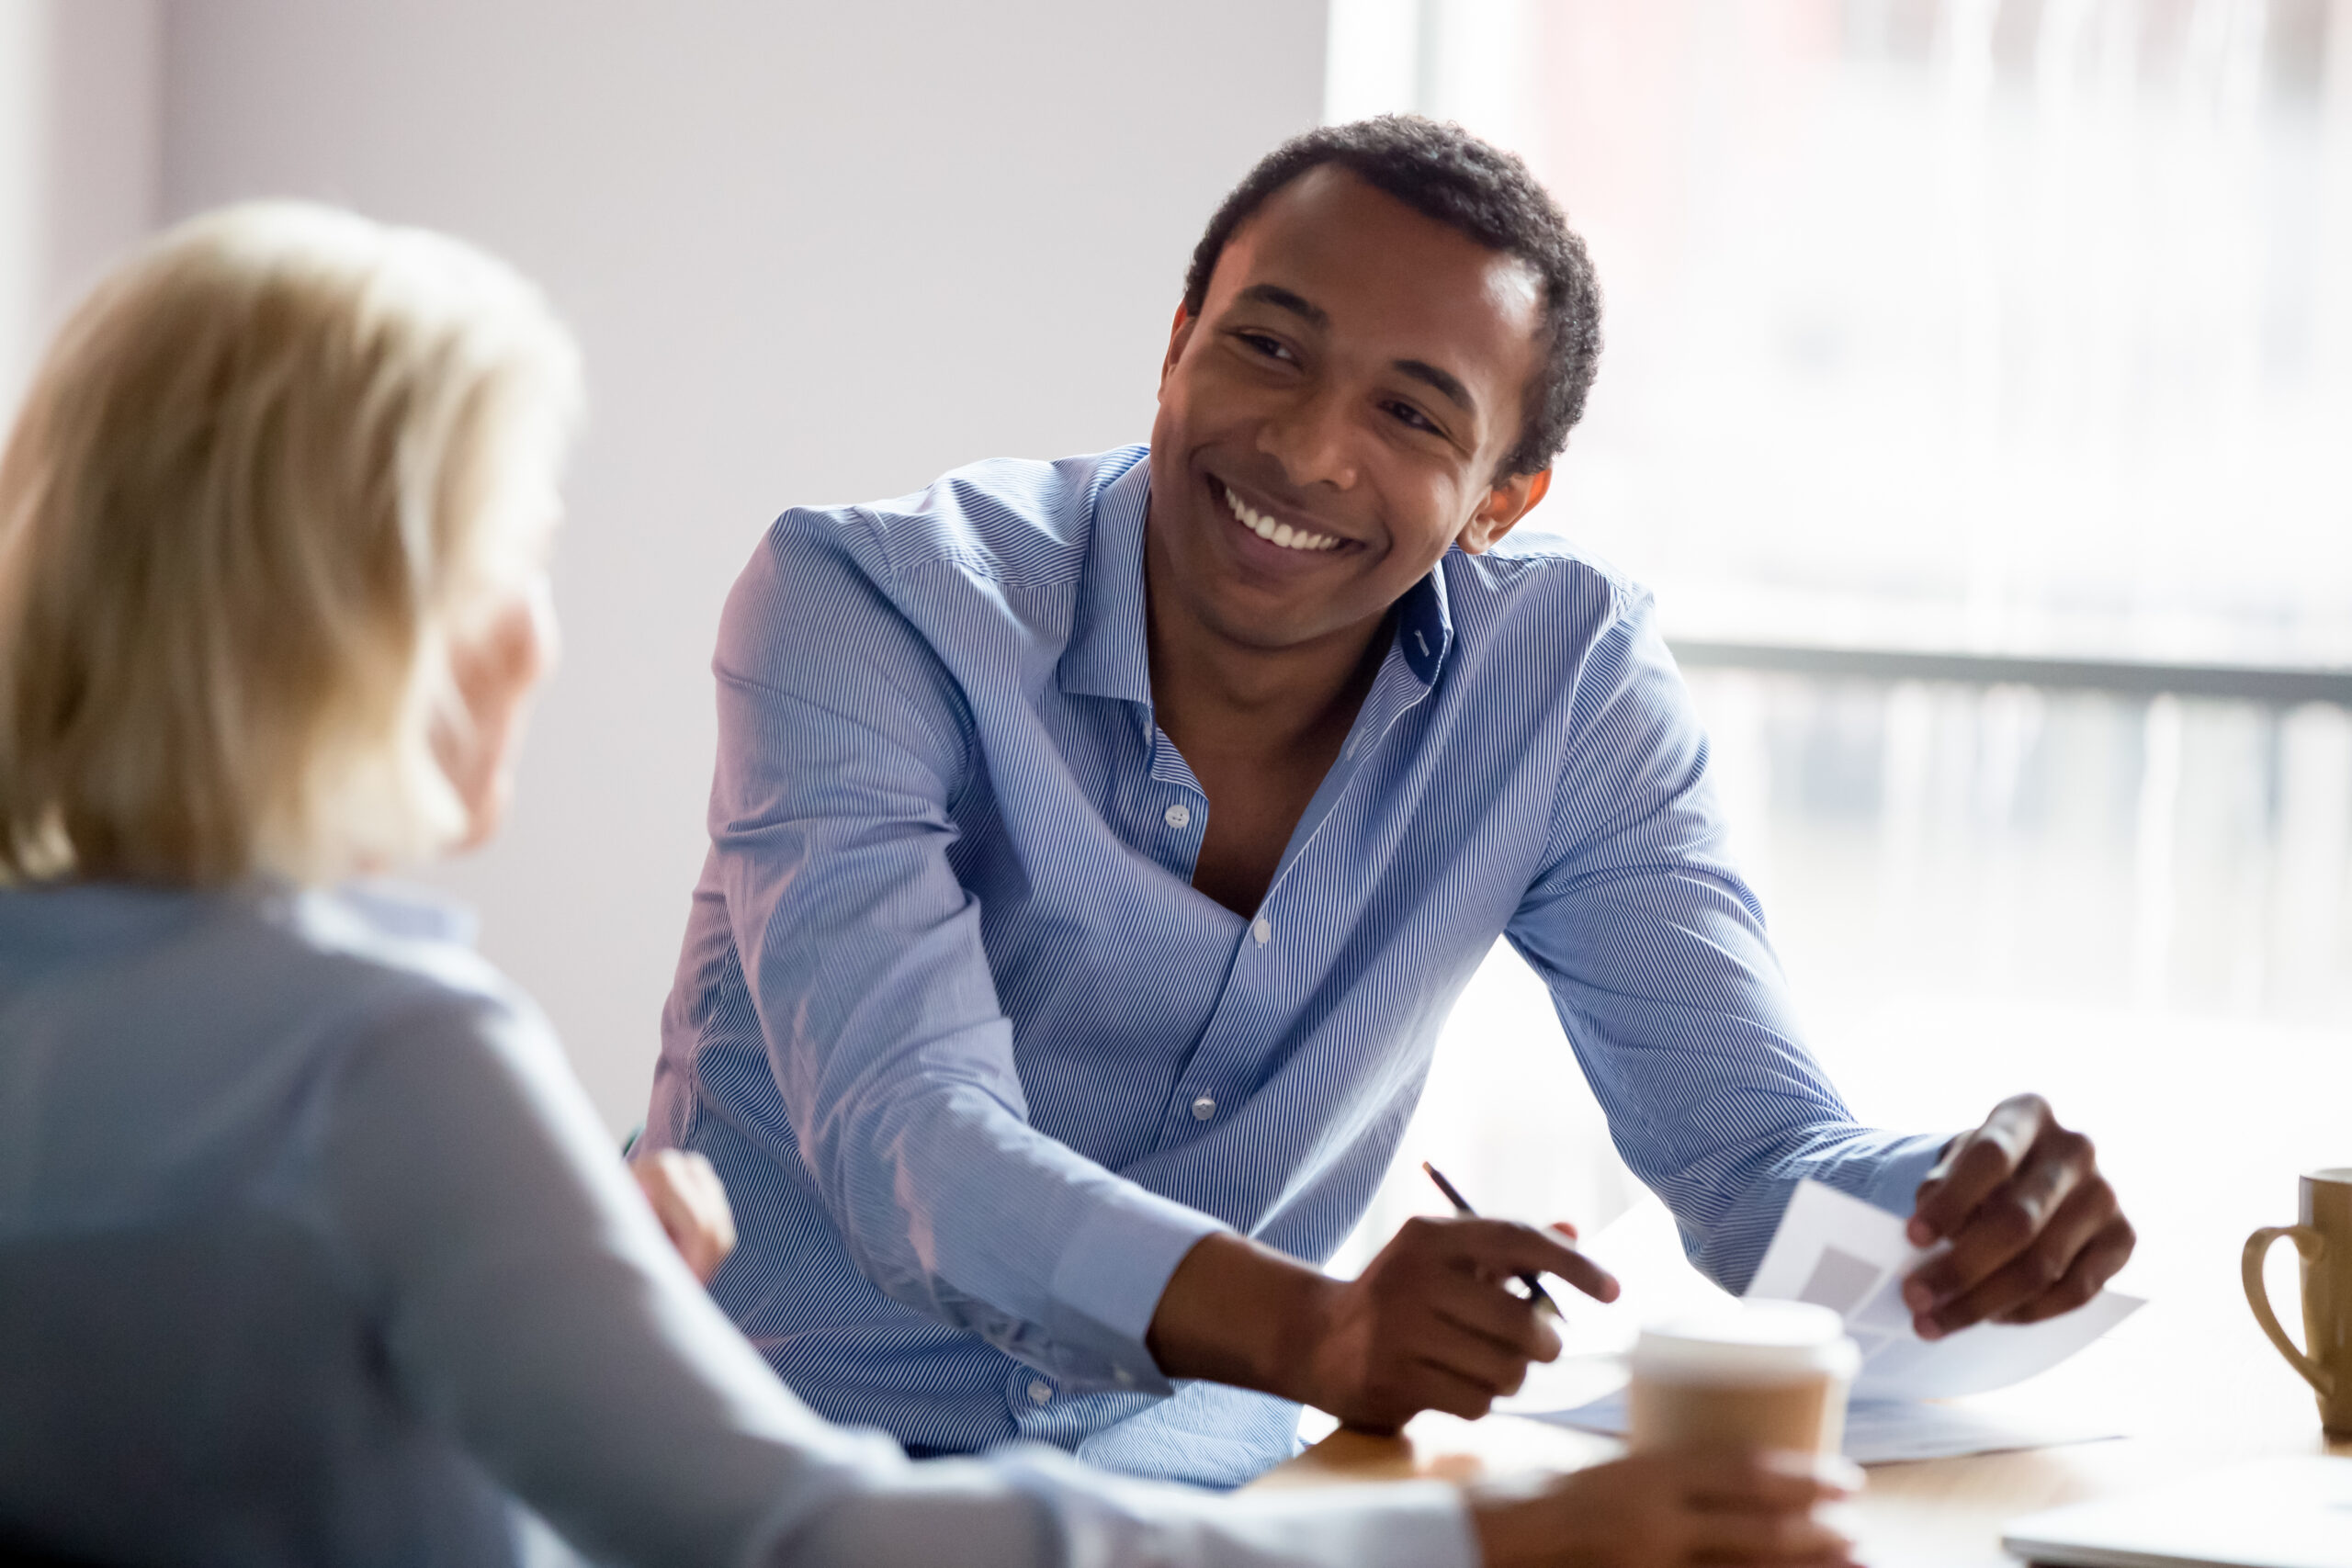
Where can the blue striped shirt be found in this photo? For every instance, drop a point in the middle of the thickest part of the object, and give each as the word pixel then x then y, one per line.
pixel 979 1065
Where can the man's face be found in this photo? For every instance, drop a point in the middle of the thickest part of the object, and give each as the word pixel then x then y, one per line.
pixel 1351 381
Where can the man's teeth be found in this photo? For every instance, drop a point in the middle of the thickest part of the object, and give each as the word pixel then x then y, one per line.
pixel 1281 533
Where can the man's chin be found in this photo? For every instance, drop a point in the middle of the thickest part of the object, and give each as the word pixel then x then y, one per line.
pixel 1266 629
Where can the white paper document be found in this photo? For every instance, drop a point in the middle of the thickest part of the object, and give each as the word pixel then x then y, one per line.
pixel 1843 1254
pixel 1887 1431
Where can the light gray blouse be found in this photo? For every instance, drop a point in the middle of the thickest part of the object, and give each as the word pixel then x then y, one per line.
pixel 312 1251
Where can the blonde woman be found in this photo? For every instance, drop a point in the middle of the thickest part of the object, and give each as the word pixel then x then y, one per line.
pixel 311 1249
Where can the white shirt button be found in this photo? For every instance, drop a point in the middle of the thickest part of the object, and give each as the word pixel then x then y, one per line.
pixel 1263 930
pixel 1178 815
pixel 1041 1393
pixel 1203 1108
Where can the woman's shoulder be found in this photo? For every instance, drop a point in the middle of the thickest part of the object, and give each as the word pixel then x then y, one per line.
pixel 413 985
pixel 390 938
pixel 178 1049
pixel 298 975
pixel 307 965
pixel 231 957
pixel 393 968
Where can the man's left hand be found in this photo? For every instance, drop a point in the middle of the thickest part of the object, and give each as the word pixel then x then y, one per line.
pixel 2035 1229
pixel 690 1202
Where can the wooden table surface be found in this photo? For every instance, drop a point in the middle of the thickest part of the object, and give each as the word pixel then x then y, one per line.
pixel 2187 1390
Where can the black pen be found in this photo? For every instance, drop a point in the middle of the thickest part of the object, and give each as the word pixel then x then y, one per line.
pixel 1536 1293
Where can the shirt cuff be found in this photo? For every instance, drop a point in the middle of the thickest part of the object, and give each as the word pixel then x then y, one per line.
pixel 1117 1523
pixel 1110 1276
pixel 1894 1186
pixel 1413 1524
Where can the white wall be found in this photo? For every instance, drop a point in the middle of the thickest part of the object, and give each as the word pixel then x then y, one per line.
pixel 814 252
pixel 23 152
pixel 106 106
pixel 79 147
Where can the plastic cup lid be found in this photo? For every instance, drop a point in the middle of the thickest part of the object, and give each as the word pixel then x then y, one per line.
pixel 1749 1342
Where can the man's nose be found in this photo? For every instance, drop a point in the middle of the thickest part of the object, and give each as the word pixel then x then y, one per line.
pixel 1313 441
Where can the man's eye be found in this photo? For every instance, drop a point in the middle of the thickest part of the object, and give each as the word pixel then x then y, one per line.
pixel 1270 348
pixel 1414 417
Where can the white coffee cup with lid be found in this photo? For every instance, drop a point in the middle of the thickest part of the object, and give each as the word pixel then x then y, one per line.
pixel 1754 1374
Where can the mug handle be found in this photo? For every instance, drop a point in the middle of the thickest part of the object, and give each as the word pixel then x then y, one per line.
pixel 2310 1244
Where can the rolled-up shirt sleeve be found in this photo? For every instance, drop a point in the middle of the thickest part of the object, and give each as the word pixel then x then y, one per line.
pixel 844 745
pixel 1656 956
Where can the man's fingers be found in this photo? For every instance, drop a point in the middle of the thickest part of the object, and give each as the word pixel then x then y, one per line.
pixel 1476 1355
pixel 1485 1308
pixel 2010 1222
pixel 1739 1479
pixel 1590 1277
pixel 1978 1163
pixel 1439 1387
pixel 2007 1249
pixel 1547 1338
pixel 2035 1269
pixel 1498 1248
pixel 2093 1267
pixel 1759 1507
pixel 1501 1324
pixel 1775 1538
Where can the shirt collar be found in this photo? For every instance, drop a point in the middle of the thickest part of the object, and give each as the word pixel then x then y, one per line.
pixel 1425 623
pixel 1107 656
pixel 403 910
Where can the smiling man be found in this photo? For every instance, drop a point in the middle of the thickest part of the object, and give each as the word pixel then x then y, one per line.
pixel 1098 845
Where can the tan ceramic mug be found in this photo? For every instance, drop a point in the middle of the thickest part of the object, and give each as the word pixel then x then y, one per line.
pixel 2324 1239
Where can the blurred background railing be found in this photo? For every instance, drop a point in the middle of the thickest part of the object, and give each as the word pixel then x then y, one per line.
pixel 2135 902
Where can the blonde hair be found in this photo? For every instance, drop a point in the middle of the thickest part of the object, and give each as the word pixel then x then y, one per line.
pixel 267 471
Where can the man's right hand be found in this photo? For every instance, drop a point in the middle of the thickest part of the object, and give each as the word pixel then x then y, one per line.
pixel 1670 1510
pixel 1429 1324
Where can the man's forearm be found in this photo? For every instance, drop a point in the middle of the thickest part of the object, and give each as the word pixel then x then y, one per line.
pixel 1235 1311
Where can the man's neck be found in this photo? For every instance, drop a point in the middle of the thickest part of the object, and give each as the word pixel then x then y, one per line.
pixel 1210 691
pixel 1259 727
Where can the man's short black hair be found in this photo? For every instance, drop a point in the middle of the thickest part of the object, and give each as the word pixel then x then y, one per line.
pixel 1443 171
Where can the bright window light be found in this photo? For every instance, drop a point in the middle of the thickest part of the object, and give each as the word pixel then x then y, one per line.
pixel 1990 328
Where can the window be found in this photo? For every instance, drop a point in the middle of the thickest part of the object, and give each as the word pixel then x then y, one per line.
pixel 1978 402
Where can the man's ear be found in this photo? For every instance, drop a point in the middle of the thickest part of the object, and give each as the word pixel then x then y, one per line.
pixel 1504 504
pixel 1180 332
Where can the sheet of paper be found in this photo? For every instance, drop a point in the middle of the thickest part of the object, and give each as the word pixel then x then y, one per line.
pixel 1887 1431
pixel 1644 1250
pixel 1846 1255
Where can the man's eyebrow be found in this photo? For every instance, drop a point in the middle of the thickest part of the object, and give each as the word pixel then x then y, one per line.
pixel 1445 382
pixel 1448 384
pixel 1282 298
